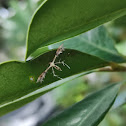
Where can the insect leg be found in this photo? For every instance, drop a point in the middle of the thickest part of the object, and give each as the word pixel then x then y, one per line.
pixel 55 74
pixel 63 63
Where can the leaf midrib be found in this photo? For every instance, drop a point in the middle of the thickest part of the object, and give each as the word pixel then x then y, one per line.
pixel 100 48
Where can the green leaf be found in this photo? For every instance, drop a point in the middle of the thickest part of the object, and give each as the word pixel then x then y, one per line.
pixel 17 87
pixel 95 42
pixel 60 19
pixel 88 112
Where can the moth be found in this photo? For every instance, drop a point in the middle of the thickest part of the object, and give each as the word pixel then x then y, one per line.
pixel 53 65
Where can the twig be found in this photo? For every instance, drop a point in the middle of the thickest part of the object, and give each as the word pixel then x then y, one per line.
pixel 113 68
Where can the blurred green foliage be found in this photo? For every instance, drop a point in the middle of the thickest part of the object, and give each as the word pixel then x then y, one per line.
pixel 71 92
pixel 14 27
pixel 122 47
pixel 117 29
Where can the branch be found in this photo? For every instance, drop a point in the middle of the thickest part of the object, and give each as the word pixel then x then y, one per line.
pixel 113 68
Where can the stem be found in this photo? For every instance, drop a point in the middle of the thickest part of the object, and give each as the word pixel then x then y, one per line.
pixel 113 68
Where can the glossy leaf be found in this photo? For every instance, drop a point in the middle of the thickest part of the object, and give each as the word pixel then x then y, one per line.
pixel 56 20
pixel 95 42
pixel 18 80
pixel 88 112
